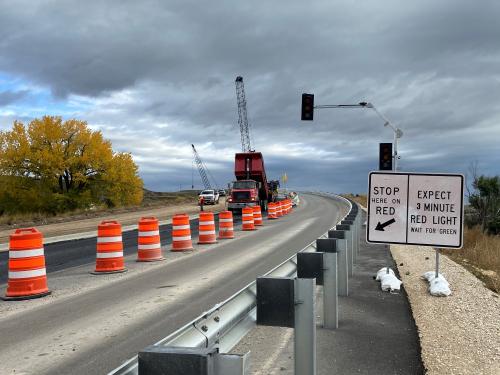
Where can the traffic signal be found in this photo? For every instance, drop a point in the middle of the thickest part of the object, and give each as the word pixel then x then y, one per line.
pixel 307 107
pixel 385 157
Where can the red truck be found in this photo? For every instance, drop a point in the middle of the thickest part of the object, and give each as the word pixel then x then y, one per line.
pixel 251 186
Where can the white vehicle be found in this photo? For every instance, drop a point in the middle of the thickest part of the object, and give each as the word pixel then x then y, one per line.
pixel 210 196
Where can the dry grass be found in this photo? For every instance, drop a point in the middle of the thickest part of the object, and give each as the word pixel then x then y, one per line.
pixel 480 255
pixel 358 198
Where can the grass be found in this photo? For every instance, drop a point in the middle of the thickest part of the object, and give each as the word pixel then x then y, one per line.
pixel 480 255
pixel 358 198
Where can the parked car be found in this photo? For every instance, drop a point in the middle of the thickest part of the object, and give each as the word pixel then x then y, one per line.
pixel 210 196
pixel 222 193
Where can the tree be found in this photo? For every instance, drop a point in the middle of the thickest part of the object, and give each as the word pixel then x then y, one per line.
pixel 485 199
pixel 54 165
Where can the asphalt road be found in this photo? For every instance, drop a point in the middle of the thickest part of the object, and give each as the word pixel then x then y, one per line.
pixel 66 254
pixel 111 323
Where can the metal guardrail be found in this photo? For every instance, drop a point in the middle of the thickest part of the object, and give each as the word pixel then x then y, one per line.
pixel 225 324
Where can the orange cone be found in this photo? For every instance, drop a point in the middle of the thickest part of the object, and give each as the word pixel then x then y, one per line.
pixel 226 229
pixel 206 231
pixel 247 219
pixel 148 240
pixel 257 215
pixel 109 258
pixel 181 233
pixel 279 211
pixel 271 211
pixel 27 275
pixel 287 205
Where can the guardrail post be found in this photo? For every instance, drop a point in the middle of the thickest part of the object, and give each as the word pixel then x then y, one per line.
pixel 342 265
pixel 322 266
pixel 330 282
pixel 159 360
pixel 287 302
pixel 349 245
pixel 305 327
pixel 349 220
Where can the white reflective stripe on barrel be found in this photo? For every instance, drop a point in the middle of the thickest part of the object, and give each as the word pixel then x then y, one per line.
pixel 225 220
pixel 206 222
pixel 247 215
pixel 184 238
pixel 109 239
pixel 206 232
pixel 114 254
pixel 25 253
pixel 25 274
pixel 226 229
pixel 180 227
pixel 149 246
pixel 149 233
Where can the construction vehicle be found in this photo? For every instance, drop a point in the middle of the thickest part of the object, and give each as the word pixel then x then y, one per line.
pixel 251 186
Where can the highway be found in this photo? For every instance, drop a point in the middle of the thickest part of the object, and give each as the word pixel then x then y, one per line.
pixel 66 254
pixel 95 330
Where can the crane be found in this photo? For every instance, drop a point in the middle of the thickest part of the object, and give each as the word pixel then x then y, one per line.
pixel 203 170
pixel 242 115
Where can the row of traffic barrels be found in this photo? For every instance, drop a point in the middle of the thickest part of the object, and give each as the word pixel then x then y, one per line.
pixel 27 276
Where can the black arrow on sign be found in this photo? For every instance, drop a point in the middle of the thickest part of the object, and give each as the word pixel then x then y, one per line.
pixel 382 226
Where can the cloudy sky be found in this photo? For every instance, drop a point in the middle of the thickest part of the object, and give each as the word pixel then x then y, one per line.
pixel 156 76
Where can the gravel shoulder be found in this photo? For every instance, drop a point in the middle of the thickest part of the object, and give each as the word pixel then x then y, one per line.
pixel 459 334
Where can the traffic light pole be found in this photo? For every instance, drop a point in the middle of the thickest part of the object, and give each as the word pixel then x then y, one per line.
pixel 397 132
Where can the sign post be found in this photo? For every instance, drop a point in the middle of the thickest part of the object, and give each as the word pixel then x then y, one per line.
pixel 416 209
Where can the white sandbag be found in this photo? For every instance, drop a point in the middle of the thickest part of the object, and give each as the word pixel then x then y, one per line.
pixel 438 286
pixel 388 281
pixel 382 272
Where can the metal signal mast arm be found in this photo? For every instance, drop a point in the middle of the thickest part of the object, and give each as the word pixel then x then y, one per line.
pixel 242 115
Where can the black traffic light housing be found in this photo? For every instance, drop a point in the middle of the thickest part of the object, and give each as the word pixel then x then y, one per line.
pixel 385 157
pixel 307 113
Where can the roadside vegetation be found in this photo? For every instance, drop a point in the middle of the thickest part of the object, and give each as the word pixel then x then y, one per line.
pixel 54 167
pixel 358 198
pixel 481 251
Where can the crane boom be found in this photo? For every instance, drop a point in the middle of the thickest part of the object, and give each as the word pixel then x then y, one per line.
pixel 242 115
pixel 201 169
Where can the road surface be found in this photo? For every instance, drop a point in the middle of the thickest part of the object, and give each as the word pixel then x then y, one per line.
pixel 94 331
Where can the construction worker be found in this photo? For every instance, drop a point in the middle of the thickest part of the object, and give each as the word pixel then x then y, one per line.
pixel 201 201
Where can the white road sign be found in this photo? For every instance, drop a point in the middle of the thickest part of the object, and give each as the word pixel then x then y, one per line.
pixel 415 209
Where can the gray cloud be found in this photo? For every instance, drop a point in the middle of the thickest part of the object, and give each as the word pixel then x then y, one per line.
pixel 160 76
pixel 8 97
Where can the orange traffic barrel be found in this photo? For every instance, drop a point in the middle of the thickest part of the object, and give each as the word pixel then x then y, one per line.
pixel 148 240
pixel 247 219
pixel 290 205
pixel 271 211
pixel 27 275
pixel 206 228
pixel 226 229
pixel 287 205
pixel 181 233
pixel 257 215
pixel 109 258
pixel 279 209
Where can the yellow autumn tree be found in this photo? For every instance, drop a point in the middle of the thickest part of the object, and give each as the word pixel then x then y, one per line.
pixel 54 165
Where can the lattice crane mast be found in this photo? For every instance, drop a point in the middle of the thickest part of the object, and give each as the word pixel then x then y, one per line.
pixel 242 115
pixel 202 169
